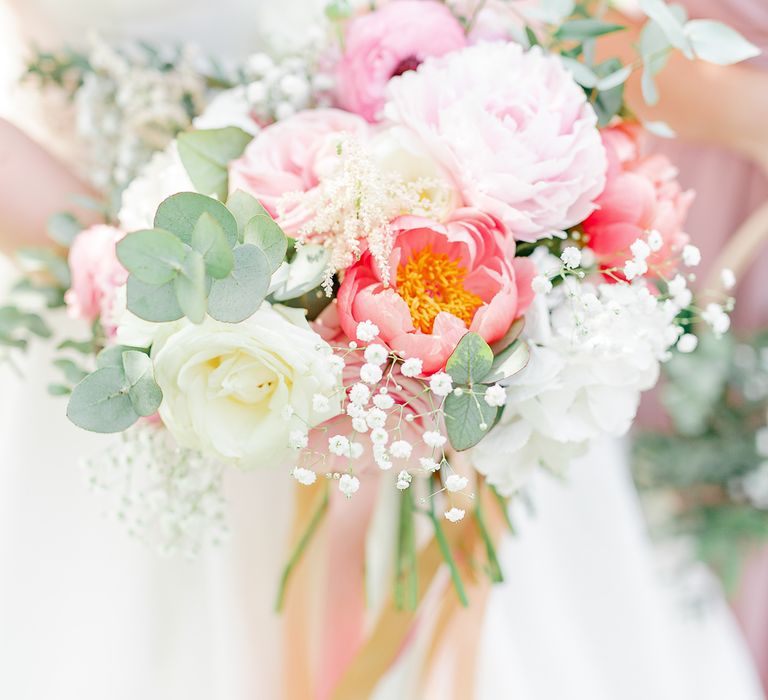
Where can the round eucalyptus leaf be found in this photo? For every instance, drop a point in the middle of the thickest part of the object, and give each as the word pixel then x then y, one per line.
pixel 263 232
pixel 156 303
pixel 244 207
pixel 144 393
pixel 100 402
pixel 180 212
pixel 241 294
pixel 190 286
pixel 153 256
pixel 468 419
pixel 209 240
pixel 471 361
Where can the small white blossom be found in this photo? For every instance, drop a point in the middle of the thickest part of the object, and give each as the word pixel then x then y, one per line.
pixel 359 425
pixel 441 384
pixel 383 401
pixel 382 458
pixel 588 257
pixel 298 439
pixel 284 109
pixel 571 257
pixel 635 268
pixel 304 476
pixel 456 483
pixel 404 480
pixel 339 445
pixel 716 318
pixel 429 464
pixel 495 395
pixel 260 63
pixel 286 413
pixel 434 439
pixel 337 364
pixel 687 342
pixel 379 436
pixel 727 278
pixel 454 515
pixel 691 255
pixel 412 367
pixel 359 394
pixel 677 285
pixel 367 331
pixel 355 410
pixel 371 374
pixel 376 418
pixel 349 484
pixel 541 284
pixel 401 449
pixel 640 249
pixel 320 403
pixel 376 354
pixel 356 450
pixel 655 241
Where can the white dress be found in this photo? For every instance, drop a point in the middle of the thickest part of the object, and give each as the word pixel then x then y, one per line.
pixel 86 614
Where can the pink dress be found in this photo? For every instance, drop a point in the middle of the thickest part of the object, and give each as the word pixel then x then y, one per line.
pixel 729 188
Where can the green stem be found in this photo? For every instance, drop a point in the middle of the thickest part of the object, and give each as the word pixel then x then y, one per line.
pixel 301 545
pixel 445 549
pixel 504 505
pixel 406 581
pixel 493 563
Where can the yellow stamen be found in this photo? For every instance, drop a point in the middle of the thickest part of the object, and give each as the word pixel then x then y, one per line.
pixel 432 282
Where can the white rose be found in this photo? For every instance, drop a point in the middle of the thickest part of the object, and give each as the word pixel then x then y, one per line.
pixel 226 387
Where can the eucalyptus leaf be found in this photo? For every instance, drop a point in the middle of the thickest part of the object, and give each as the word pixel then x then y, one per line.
pixel 71 371
pixel 464 417
pixel 190 287
pixel 153 303
pixel 180 212
pixel 112 356
pixel 660 129
pixel 471 361
pixel 241 294
pixel 716 42
pixel 62 228
pixel 13 320
pixel 153 256
pixel 669 22
pixel 615 79
pixel 84 347
pixel 649 89
pixel 43 259
pixel 244 207
pixel 209 240
pixel 100 402
pixel 581 73
pixel 302 275
pixel 509 337
pixel 509 362
pixel 59 390
pixel 144 393
pixel 206 155
pixel 264 233
pixel 581 29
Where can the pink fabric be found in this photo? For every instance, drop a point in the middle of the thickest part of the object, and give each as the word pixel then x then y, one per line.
pixel 729 189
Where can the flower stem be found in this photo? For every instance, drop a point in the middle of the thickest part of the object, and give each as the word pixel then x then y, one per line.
pixel 445 549
pixel 406 581
pixel 494 568
pixel 301 545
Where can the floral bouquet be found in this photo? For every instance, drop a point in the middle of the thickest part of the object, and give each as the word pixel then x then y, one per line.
pixel 437 261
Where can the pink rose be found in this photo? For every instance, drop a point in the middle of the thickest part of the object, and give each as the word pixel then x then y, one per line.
pixel 513 128
pixel 96 273
pixel 642 194
pixel 447 279
pixel 388 42
pixel 291 156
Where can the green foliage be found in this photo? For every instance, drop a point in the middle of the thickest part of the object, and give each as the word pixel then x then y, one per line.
pixel 44 260
pixel 468 418
pixel 153 303
pixel 17 327
pixel 581 29
pixel 209 240
pixel 206 155
pixel 264 233
pixel 153 256
pixel 244 207
pixel 717 43
pixel 238 296
pixel 190 287
pixel 180 212
pixel 509 362
pixel 63 227
pixel 112 398
pixel 471 361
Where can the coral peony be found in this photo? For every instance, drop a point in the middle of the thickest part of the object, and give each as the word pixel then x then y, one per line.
pixel 388 42
pixel 290 156
pixel 513 128
pixel 446 279
pixel 641 195
pixel 96 273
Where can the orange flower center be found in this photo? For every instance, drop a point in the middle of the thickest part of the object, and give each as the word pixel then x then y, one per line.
pixel 430 283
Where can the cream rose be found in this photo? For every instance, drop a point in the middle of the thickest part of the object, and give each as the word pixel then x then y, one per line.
pixel 236 391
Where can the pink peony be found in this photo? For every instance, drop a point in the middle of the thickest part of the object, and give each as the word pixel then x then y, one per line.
pixel 96 273
pixel 290 156
pixel 447 279
pixel 388 42
pixel 513 128
pixel 641 194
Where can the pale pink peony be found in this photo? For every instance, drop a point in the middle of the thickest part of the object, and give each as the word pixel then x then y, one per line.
pixel 641 194
pixel 96 273
pixel 389 42
pixel 513 128
pixel 291 156
pixel 447 279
